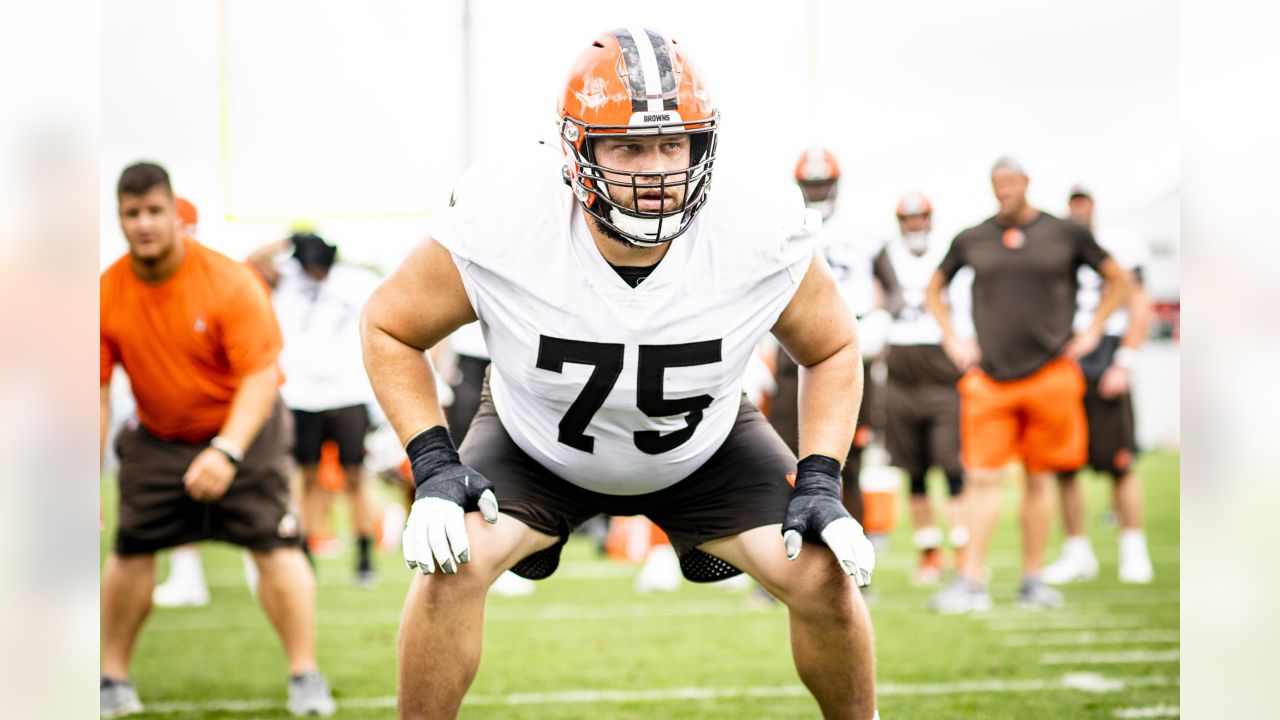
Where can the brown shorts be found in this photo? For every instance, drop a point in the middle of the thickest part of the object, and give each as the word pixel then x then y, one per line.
pixel 346 426
pixel 1038 419
pixel 156 512
pixel 741 487
pixel 923 429
pixel 1112 442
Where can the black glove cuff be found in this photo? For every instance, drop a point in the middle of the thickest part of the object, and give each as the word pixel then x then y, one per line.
pixel 429 451
pixel 818 475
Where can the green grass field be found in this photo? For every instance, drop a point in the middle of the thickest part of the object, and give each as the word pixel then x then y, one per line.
pixel 586 646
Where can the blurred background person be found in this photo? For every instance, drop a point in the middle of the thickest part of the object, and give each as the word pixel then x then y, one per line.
pixel 1108 407
pixel 185 586
pixel 922 405
pixel 208 457
pixel 1022 395
pixel 318 301
pixel 867 286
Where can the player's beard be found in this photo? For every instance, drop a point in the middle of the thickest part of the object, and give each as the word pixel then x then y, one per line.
pixel 613 234
pixel 610 233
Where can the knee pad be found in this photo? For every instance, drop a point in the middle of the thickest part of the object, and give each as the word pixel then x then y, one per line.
pixel 955 483
pixel 917 483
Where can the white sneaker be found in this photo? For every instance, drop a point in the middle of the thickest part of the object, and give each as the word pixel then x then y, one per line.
pixel 960 597
pixel 1137 570
pixel 181 592
pixel 117 699
pixel 661 571
pixel 1071 566
pixel 309 694
pixel 510 584
pixel 1135 563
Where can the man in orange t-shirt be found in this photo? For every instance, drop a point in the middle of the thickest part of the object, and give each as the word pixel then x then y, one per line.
pixel 207 458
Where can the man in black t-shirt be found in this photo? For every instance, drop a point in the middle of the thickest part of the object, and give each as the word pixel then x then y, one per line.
pixel 1021 397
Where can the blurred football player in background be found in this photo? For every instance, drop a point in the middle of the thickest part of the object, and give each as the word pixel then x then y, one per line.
pixel 922 404
pixel 208 457
pixel 1108 373
pixel 318 302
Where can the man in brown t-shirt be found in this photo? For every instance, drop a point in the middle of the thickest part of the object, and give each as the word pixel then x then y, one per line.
pixel 1021 397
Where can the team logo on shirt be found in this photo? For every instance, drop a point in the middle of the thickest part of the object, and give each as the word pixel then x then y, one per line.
pixel 199 326
pixel 1014 238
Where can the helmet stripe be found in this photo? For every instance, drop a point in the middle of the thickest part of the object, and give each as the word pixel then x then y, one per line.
pixel 666 70
pixel 649 68
pixel 635 69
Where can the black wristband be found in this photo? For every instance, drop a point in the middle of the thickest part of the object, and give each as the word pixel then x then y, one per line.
pixel 818 464
pixel 429 451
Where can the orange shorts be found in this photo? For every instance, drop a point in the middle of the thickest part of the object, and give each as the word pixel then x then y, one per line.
pixel 1039 419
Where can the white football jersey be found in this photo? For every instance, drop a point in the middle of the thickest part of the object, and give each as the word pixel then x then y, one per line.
pixel 915 324
pixel 616 389
pixel 320 323
pixel 851 258
pixel 1130 252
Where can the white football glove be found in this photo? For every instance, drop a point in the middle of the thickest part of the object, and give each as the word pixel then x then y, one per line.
pixel 436 534
pixel 815 511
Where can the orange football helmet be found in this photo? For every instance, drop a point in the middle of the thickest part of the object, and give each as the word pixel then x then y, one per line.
pixel 186 211
pixel 637 81
pixel 818 175
pixel 913 203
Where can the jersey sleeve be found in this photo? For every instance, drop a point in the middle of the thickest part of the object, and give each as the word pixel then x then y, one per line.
pixel 1088 250
pixel 455 226
pixel 249 331
pixel 954 259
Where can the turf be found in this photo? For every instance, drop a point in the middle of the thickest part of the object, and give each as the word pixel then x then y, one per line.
pixel 586 630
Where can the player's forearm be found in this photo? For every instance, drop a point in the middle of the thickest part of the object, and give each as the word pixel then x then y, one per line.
pixel 404 383
pixel 263 260
pixel 250 407
pixel 830 395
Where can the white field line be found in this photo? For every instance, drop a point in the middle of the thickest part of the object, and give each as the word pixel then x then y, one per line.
pixel 1050 623
pixel 1082 682
pixel 1155 711
pixel 1089 637
pixel 1108 657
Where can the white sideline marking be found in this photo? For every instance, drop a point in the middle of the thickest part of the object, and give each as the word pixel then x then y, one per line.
pixel 1155 711
pixel 1050 622
pixel 1089 637
pixel 1110 657
pixel 1085 682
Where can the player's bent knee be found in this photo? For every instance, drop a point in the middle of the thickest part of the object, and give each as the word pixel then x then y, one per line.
pixel 816 587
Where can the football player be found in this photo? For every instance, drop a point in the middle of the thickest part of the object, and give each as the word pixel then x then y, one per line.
pixel 922 404
pixel 1109 410
pixel 867 285
pixel 620 300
